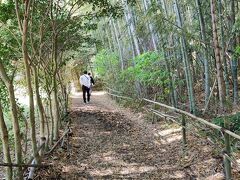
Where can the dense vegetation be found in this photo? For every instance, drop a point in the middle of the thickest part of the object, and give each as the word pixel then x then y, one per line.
pixel 185 53
pixel 39 41
pixel 175 49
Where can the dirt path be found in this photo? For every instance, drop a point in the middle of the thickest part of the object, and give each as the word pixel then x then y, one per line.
pixel 109 142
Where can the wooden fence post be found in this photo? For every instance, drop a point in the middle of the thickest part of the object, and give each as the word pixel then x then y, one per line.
pixel 154 107
pixel 184 131
pixel 227 162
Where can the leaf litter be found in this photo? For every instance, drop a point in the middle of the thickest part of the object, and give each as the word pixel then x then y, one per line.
pixel 109 142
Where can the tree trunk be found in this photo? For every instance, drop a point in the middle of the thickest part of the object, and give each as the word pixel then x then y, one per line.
pixel 129 19
pixel 5 145
pixel 234 62
pixel 146 4
pixel 56 115
pixel 116 34
pixel 205 51
pixel 23 27
pixel 221 85
pixel 39 105
pixel 14 114
pixel 29 84
pixel 188 74
pixel 173 94
pixel 51 118
pixel 223 48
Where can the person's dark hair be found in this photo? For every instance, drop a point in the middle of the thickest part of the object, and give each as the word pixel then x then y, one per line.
pixel 89 73
pixel 84 72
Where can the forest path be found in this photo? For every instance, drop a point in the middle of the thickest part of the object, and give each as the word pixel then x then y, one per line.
pixel 110 142
pixel 107 144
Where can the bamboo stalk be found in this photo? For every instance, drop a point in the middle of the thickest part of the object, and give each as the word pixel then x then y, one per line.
pixel 154 107
pixel 184 131
pixel 214 84
pixel 233 161
pixel 227 162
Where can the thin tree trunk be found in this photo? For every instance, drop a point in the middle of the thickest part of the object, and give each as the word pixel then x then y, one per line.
pixel 173 95
pixel 171 83
pixel 188 74
pixel 39 105
pixel 221 84
pixel 111 47
pixel 14 114
pixel 146 4
pixel 223 48
pixel 116 33
pixel 5 145
pixel 47 129
pixel 205 51
pixel 114 40
pixel 234 62
pixel 56 115
pixel 51 117
pixel 29 83
pixel 129 19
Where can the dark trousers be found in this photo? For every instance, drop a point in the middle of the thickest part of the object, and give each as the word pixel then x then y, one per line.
pixel 86 90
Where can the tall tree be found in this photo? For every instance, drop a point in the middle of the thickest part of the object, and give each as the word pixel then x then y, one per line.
pixel 187 69
pixel 234 62
pixel 220 79
pixel 23 27
pixel 205 51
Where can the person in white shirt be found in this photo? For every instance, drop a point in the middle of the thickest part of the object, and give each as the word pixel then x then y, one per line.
pixel 85 81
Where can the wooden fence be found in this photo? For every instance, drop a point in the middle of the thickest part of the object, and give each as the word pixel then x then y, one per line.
pixel 227 158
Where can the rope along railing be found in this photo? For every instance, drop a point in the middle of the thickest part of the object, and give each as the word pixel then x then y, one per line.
pixel 227 158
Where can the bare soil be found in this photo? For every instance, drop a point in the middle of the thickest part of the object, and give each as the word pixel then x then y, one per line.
pixel 111 142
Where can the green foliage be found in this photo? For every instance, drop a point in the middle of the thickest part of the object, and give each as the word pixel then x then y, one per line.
pixel 7 11
pixel 237 51
pixel 149 69
pixel 234 121
pixel 9 39
pixel 4 96
pixel 106 64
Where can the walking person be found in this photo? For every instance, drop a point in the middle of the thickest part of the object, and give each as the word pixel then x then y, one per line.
pixel 91 82
pixel 85 81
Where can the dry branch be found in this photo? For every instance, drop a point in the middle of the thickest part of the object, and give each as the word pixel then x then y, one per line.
pixel 64 134
pixel 24 165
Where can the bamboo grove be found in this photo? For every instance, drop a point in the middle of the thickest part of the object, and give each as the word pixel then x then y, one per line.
pixel 184 52
pixel 38 40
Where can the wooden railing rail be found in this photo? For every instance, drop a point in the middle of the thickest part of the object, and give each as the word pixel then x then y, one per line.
pixel 214 126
